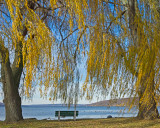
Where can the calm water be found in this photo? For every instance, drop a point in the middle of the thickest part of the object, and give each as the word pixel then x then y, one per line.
pixel 48 111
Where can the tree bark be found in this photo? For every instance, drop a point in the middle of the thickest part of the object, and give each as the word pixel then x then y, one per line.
pixel 10 78
pixel 10 81
pixel 12 99
pixel 147 103
pixel 148 111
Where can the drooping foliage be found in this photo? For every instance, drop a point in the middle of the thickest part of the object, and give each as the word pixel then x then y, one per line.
pixel 39 37
pixel 119 38
pixel 123 53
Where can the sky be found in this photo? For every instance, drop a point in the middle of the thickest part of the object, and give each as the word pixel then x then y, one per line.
pixel 38 100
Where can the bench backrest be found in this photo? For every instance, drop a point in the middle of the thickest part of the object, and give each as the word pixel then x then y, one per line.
pixel 66 113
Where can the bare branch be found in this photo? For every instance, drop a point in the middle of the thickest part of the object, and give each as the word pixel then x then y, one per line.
pixel 4 13
pixel 119 16
pixel 69 35
pixel 106 1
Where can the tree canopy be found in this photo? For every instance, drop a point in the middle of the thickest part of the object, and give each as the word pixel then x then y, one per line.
pixel 119 39
pixel 123 48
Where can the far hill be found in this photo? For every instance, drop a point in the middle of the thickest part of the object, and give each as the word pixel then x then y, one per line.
pixel 116 102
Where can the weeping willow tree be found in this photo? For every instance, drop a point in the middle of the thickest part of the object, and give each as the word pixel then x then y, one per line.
pixel 119 38
pixel 123 49
pixel 24 36
pixel 35 49
pixel 124 52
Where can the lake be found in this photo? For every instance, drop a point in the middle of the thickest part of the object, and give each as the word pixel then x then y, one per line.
pixel 48 111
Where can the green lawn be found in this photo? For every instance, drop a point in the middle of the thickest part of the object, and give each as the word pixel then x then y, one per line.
pixel 89 123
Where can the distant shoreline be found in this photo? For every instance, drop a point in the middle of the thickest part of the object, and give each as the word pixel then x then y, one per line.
pixel 113 102
pixel 107 103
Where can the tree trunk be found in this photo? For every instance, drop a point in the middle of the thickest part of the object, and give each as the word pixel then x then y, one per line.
pixel 11 79
pixel 12 99
pixel 148 111
pixel 147 102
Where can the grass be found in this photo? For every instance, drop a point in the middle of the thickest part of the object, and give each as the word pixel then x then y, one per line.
pixel 85 123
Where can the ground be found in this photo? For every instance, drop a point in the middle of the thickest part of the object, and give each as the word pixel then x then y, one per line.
pixel 87 123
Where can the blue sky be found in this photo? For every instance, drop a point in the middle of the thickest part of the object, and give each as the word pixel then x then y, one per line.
pixel 37 100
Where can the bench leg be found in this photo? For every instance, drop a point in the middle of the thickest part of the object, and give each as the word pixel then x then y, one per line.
pixel 74 115
pixel 58 115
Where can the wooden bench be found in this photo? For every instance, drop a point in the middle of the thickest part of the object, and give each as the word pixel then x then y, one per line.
pixel 66 113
